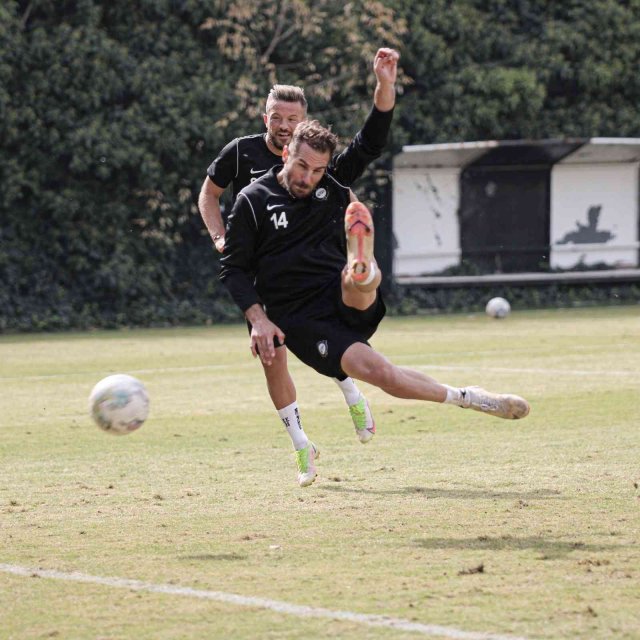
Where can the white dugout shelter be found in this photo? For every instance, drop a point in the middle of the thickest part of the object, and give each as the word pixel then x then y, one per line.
pixel 517 206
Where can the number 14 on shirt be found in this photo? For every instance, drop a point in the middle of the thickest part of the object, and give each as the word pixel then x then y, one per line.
pixel 280 221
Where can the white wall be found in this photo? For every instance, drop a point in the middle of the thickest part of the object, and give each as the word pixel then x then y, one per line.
pixel 425 220
pixel 610 189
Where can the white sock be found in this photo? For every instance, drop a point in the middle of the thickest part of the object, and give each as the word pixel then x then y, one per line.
pixel 371 276
pixel 349 390
pixel 454 395
pixel 290 417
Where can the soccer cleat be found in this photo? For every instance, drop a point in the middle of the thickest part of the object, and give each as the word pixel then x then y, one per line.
pixel 363 420
pixel 305 458
pixel 501 405
pixel 358 226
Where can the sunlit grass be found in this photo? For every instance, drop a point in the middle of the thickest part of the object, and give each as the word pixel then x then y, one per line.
pixel 204 495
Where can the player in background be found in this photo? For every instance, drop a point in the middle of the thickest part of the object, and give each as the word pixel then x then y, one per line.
pixel 245 159
pixel 240 162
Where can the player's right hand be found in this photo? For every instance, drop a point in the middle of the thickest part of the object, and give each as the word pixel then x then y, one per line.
pixel 263 332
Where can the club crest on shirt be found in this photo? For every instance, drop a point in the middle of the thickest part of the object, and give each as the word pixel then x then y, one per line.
pixel 320 194
pixel 323 348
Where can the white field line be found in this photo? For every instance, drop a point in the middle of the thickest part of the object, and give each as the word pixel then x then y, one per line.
pixel 471 367
pixel 278 606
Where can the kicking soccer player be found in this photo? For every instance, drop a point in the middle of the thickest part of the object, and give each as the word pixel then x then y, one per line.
pixel 241 162
pixel 284 265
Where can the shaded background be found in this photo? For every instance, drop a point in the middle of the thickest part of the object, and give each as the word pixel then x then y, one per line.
pixel 110 113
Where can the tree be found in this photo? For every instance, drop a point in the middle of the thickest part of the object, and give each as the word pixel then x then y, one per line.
pixel 112 112
pixel 506 69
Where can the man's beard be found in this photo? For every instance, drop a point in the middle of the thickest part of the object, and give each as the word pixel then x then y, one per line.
pixel 288 186
pixel 275 142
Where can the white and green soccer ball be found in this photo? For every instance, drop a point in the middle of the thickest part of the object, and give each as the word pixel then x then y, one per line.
pixel 119 404
pixel 498 308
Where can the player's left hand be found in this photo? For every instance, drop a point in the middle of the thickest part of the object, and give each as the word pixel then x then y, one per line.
pixel 385 65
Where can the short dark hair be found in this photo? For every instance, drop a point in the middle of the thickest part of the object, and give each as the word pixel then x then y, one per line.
pixel 311 132
pixel 285 93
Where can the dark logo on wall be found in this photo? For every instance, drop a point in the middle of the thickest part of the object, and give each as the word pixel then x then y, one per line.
pixel 588 233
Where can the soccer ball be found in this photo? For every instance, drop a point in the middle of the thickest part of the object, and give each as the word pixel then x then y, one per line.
pixel 498 308
pixel 119 404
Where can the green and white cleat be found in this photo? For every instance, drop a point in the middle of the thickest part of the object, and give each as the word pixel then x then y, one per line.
pixel 305 458
pixel 501 405
pixel 363 420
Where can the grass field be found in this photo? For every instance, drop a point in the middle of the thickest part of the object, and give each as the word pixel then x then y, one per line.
pixel 485 527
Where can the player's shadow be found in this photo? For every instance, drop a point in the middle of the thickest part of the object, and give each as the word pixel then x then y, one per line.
pixel 459 494
pixel 548 549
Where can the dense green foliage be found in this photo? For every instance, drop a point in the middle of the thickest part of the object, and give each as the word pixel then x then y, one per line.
pixel 505 69
pixel 110 113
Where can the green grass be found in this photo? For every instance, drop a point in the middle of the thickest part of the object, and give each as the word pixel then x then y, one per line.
pixel 205 496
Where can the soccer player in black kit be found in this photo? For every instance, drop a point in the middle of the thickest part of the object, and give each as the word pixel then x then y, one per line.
pixel 241 162
pixel 299 263
pixel 245 159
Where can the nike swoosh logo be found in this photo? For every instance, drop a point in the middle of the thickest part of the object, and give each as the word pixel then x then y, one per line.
pixel 252 172
pixel 273 206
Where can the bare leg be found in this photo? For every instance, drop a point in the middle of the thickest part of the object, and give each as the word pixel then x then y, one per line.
pixel 360 280
pixel 279 382
pixel 283 395
pixel 362 362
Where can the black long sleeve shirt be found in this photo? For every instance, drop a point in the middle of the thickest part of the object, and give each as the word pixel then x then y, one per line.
pixel 281 251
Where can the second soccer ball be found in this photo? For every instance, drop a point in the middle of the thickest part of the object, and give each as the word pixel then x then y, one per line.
pixel 498 308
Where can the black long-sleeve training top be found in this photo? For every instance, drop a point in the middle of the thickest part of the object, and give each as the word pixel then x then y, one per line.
pixel 281 251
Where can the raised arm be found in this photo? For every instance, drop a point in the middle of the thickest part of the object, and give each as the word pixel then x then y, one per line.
pixel 369 142
pixel 385 66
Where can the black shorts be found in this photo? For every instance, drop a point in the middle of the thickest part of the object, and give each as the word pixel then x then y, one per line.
pixel 321 336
